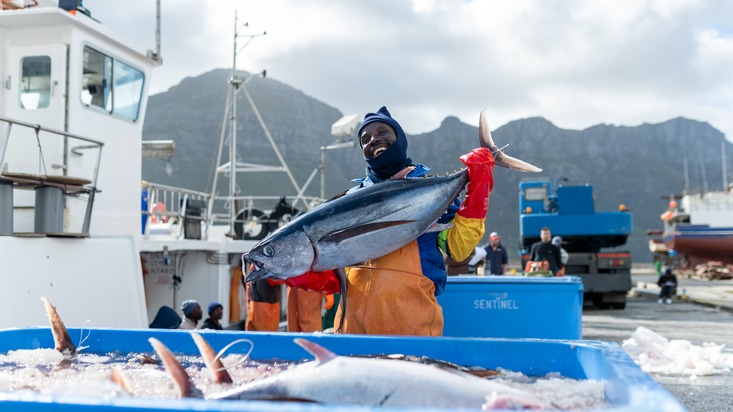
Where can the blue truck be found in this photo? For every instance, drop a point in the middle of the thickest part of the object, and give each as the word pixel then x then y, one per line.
pixel 591 238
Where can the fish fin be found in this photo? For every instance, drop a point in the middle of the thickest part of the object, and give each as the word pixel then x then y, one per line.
pixel 343 234
pixel 217 370
pixel 321 354
pixel 61 337
pixel 501 159
pixel 515 164
pixel 439 227
pixel 341 275
pixel 118 376
pixel 181 379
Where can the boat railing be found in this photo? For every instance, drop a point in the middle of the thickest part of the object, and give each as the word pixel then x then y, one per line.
pixel 47 173
pixel 185 213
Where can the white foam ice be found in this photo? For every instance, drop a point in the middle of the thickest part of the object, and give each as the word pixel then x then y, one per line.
pixel 656 354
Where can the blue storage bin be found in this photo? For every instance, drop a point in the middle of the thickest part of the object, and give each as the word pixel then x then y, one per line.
pixel 627 388
pixel 513 307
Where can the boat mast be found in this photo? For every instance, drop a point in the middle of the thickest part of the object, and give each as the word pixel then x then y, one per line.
pixel 234 81
pixel 233 167
pixel 724 162
pixel 687 176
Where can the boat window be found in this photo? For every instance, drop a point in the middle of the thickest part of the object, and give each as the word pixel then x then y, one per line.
pixel 96 87
pixel 128 89
pixel 111 85
pixel 35 82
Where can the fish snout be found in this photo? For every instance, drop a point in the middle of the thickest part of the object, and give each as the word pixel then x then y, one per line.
pixel 257 274
pixel 251 268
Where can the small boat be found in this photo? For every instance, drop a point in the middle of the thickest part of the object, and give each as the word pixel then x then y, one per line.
pixel 699 228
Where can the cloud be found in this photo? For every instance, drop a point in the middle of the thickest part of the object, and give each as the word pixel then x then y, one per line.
pixel 574 62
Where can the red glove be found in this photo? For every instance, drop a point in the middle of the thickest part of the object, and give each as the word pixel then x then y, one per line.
pixel 324 282
pixel 480 164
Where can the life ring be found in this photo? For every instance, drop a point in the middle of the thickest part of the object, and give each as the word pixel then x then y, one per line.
pixel 158 213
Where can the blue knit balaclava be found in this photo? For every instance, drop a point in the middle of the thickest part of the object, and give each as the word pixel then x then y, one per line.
pixel 395 157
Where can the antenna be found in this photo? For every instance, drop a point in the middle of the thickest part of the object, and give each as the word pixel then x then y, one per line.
pixel 237 84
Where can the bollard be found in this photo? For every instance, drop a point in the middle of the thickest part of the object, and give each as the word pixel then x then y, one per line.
pixel 49 215
pixel 6 208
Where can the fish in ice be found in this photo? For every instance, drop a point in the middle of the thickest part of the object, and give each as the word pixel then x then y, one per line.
pixel 386 217
pixel 373 382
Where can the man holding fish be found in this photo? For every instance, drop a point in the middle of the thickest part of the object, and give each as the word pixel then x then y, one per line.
pixel 389 231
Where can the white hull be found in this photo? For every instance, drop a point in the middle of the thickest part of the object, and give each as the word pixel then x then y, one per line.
pixel 97 280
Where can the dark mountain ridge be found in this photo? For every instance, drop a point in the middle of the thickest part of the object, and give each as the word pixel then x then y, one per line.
pixel 637 166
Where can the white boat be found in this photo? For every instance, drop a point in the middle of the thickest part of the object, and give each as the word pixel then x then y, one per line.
pixel 72 229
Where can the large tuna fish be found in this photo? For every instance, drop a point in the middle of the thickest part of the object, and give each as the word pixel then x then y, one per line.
pixel 343 380
pixel 366 224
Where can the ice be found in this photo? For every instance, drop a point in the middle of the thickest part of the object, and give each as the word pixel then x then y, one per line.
pixel 35 356
pixel 47 372
pixel 562 393
pixel 656 354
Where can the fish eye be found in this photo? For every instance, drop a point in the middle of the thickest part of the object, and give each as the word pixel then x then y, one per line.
pixel 268 251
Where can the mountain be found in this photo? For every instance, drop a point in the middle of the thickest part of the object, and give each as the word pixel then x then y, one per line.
pixel 638 166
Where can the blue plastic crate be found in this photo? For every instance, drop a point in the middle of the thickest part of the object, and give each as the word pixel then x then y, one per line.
pixel 513 307
pixel 628 388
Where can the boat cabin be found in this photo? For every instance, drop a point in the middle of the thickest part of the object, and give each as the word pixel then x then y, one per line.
pixel 76 95
pixel 72 102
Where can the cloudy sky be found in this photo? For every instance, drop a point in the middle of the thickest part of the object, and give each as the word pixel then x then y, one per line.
pixel 576 63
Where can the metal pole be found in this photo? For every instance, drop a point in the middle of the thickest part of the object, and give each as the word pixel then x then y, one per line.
pixel 725 166
pixel 233 136
pixel 322 167
pixel 686 175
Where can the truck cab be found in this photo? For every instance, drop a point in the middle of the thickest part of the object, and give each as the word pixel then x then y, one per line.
pixel 592 239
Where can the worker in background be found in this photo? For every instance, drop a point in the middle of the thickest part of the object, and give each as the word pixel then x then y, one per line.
pixel 496 256
pixel 477 259
pixel 216 312
pixel 263 308
pixel 545 251
pixel 455 268
pixel 192 314
pixel 557 241
pixel 304 310
pixel 166 318
pixel 668 283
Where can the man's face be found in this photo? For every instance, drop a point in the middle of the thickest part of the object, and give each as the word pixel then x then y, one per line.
pixel 376 138
pixel 494 241
pixel 196 314
pixel 546 236
pixel 217 313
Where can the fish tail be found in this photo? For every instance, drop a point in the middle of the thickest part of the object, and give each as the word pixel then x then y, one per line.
pixel 177 372
pixel 500 158
pixel 61 337
pixel 213 363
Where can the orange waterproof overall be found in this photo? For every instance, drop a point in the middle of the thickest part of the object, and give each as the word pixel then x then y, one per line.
pixel 304 310
pixel 390 296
